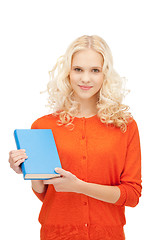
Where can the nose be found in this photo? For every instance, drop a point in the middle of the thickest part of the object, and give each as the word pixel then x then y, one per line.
pixel 85 77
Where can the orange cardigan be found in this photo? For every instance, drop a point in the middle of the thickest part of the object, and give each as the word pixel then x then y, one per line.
pixel 95 153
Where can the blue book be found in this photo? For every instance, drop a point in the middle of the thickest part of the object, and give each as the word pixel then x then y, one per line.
pixel 41 151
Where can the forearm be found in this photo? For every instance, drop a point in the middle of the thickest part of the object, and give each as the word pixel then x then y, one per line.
pixel 70 183
pixel 38 186
pixel 109 194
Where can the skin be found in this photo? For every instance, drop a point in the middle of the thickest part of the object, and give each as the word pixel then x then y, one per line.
pixel 86 70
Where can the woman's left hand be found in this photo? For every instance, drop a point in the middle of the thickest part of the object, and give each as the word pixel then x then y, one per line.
pixel 68 182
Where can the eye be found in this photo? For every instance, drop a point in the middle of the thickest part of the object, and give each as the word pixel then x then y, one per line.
pixel 96 70
pixel 77 69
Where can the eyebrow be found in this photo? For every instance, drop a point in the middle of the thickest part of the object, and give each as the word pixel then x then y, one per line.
pixel 91 67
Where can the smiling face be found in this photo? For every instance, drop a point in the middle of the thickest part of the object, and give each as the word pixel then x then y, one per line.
pixel 86 76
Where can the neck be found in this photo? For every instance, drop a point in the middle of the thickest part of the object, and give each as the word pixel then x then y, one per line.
pixel 87 108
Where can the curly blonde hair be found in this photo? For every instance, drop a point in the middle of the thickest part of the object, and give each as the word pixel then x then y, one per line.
pixel 61 101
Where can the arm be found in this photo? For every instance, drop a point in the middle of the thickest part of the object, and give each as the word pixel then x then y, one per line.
pixel 130 186
pixel 38 186
pixel 70 183
pixel 39 189
pixel 109 194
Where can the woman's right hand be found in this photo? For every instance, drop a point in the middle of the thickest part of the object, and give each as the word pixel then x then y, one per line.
pixel 16 157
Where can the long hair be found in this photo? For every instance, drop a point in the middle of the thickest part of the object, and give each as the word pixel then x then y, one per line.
pixel 110 108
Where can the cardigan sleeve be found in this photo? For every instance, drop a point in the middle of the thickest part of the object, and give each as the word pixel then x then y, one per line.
pixel 40 196
pixel 130 186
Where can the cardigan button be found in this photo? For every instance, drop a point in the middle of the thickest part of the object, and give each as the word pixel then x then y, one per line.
pixel 86 224
pixel 83 136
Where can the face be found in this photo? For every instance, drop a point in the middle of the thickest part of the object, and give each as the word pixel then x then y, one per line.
pixel 86 75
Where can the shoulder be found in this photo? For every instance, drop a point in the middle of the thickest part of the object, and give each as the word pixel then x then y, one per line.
pixel 132 125
pixel 45 121
pixel 132 130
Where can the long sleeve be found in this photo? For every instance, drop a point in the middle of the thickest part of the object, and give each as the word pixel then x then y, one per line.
pixel 39 195
pixel 130 186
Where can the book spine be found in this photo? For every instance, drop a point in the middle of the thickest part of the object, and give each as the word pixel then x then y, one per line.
pixel 19 147
pixel 16 139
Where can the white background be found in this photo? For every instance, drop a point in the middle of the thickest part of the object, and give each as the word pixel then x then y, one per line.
pixel 33 35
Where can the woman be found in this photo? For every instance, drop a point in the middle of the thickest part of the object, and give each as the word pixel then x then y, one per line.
pixel 98 144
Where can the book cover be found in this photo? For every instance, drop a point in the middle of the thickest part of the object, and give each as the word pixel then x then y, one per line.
pixel 42 153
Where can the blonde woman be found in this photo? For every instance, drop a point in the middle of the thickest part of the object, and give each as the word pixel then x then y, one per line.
pixel 98 144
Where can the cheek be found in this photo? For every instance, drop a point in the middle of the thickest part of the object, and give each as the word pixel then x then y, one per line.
pixel 99 81
pixel 73 78
pixel 102 80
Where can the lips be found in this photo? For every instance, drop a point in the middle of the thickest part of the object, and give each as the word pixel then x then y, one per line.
pixel 85 87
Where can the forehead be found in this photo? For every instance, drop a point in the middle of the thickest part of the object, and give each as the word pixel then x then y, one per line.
pixel 87 57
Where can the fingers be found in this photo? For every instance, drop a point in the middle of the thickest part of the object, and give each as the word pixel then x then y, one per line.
pixel 62 172
pixel 53 181
pixel 17 153
pixel 16 157
pixel 18 163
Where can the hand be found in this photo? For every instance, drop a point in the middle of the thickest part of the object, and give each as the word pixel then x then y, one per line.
pixel 16 157
pixel 67 182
